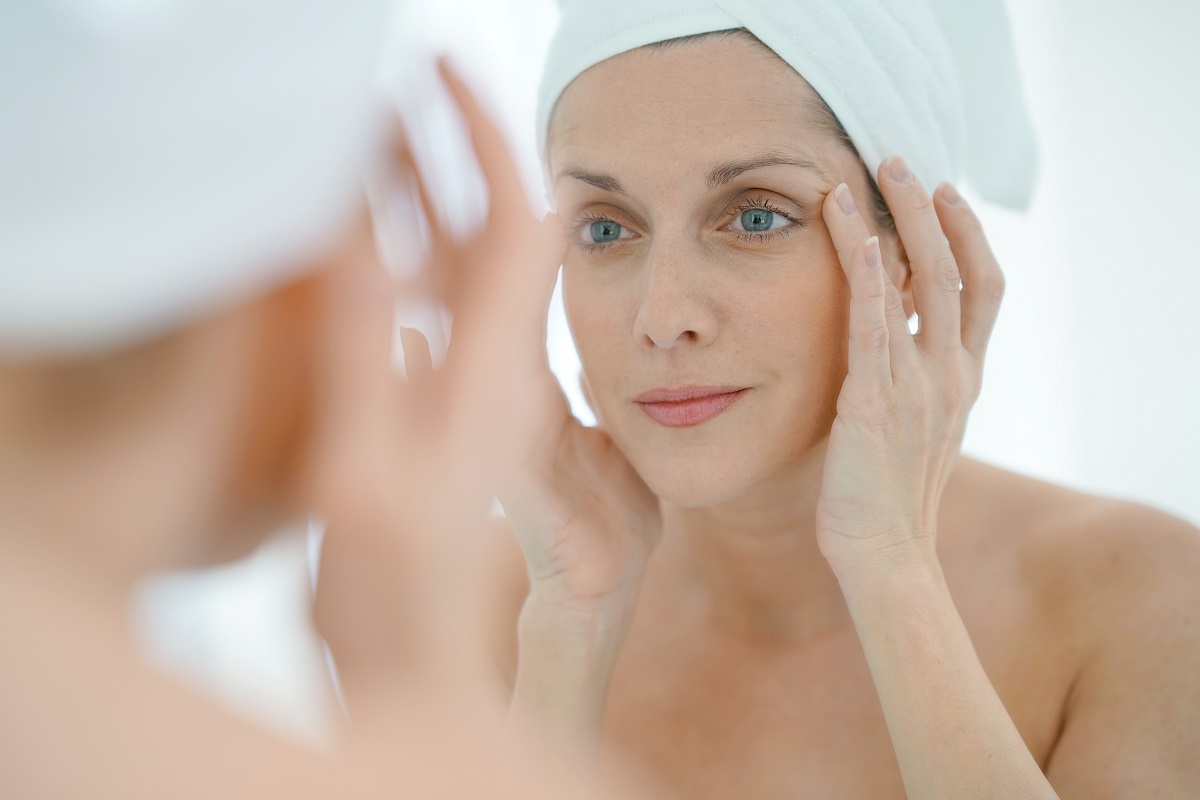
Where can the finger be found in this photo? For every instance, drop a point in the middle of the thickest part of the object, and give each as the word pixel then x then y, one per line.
pixel 869 353
pixel 445 270
pixel 357 383
pixel 405 158
pixel 849 230
pixel 504 185
pixel 983 280
pixel 508 326
pixel 934 269
pixel 904 353
pixel 535 296
pixel 501 355
pixel 359 320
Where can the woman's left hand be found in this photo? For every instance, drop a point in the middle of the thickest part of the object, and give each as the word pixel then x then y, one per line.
pixel 904 404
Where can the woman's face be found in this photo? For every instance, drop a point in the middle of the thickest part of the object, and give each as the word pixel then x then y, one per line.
pixel 690 180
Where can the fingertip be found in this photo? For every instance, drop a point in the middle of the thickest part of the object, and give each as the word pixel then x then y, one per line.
pixel 845 200
pixel 872 254
pixel 452 76
pixel 896 169
pixel 948 194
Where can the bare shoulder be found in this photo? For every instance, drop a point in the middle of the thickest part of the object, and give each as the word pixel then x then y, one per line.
pixel 1122 583
pixel 1112 563
pixel 1072 543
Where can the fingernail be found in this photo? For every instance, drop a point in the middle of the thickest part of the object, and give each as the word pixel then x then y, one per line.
pixel 846 200
pixel 950 195
pixel 871 251
pixel 900 171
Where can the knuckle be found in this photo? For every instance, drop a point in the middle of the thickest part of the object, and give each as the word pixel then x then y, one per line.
pixel 895 303
pixel 873 291
pixel 875 337
pixel 957 395
pixel 944 272
pixel 875 409
pixel 872 337
pixel 995 285
pixel 962 387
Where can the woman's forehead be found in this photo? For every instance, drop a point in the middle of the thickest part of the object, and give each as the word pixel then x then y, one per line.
pixel 698 99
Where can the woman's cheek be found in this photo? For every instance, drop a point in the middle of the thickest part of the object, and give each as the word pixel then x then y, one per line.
pixel 595 315
pixel 802 319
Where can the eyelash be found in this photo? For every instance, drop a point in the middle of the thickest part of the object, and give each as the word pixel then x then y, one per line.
pixel 591 248
pixel 753 237
pixel 763 237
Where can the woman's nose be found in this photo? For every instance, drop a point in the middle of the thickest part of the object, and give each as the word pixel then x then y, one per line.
pixel 676 306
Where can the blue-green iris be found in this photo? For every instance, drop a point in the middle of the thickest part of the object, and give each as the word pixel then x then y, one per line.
pixel 604 231
pixel 758 220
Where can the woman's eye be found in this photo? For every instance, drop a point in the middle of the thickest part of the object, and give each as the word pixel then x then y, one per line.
pixel 760 220
pixel 604 231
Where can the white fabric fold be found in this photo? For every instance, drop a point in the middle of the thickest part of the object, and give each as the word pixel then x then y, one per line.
pixel 162 159
pixel 933 80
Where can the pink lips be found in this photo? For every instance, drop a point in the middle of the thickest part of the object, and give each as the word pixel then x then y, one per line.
pixel 687 406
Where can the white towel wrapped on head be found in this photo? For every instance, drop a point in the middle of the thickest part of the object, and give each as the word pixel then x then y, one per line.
pixel 933 80
pixel 162 159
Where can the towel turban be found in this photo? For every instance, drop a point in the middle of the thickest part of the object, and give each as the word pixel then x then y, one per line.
pixel 160 159
pixel 933 80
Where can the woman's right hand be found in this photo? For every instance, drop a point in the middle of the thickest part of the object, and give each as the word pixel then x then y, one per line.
pixel 587 525
pixel 586 521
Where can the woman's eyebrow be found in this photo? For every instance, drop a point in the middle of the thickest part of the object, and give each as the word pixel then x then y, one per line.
pixel 723 174
pixel 601 181
pixel 717 177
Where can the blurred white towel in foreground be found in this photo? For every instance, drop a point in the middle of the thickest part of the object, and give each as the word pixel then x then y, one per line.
pixel 163 158
pixel 933 80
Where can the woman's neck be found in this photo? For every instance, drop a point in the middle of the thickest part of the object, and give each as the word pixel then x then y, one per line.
pixel 752 565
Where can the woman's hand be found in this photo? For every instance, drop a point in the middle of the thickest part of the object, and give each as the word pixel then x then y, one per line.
pixel 409 472
pixel 900 422
pixel 903 407
pixel 587 524
pixel 406 469
pixel 585 520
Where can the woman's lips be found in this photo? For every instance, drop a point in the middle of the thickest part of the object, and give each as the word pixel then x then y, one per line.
pixel 687 406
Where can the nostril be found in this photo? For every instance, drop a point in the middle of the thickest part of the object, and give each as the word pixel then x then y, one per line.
pixel 688 336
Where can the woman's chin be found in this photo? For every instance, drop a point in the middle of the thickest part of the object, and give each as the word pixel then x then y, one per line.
pixel 702 477
pixel 694 483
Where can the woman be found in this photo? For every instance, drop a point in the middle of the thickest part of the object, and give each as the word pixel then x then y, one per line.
pixel 195 348
pixel 768 571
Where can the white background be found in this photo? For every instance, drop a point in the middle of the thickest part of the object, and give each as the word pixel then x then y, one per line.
pixel 1092 379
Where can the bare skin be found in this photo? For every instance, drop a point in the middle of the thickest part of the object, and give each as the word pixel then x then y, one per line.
pixel 812 594
pixel 193 448
pixel 729 691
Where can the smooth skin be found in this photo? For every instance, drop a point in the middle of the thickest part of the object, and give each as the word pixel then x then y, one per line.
pixel 814 594
pixel 193 448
